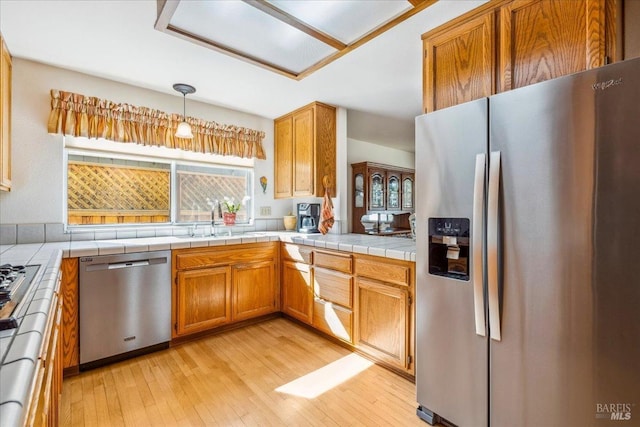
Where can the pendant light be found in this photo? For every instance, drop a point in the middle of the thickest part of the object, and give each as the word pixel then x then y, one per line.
pixel 184 130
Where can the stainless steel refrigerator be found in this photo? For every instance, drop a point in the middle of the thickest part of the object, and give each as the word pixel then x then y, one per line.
pixel 528 255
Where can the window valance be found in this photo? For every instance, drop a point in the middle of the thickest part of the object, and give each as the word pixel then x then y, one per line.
pixel 91 117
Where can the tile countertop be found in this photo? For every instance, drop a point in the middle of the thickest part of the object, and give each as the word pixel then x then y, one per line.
pixel 19 348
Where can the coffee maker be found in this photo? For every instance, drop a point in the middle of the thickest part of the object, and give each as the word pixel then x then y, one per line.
pixel 308 217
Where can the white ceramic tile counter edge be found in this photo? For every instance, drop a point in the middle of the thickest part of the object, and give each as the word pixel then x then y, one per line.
pixel 19 347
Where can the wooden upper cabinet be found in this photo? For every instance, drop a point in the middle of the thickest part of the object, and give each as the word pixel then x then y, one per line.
pixel 543 39
pixel 305 151
pixel 507 44
pixel 459 64
pixel 5 117
pixel 283 158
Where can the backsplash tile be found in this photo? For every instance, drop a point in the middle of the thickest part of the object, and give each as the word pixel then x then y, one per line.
pixel 55 233
pixel 105 235
pixel 125 234
pixel 8 234
pixel 30 233
pixel 146 233
pixel 78 236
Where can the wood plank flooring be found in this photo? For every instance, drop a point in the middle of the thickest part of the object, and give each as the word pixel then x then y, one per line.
pixel 246 377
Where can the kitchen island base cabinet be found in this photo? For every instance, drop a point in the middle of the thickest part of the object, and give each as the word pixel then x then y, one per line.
pixel 203 299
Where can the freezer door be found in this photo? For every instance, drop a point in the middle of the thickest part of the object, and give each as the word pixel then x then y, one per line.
pixel 451 354
pixel 570 338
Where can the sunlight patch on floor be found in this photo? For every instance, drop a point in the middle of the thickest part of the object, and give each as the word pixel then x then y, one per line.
pixel 334 323
pixel 324 379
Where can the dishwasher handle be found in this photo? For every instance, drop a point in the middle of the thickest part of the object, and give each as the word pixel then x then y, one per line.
pixel 126 264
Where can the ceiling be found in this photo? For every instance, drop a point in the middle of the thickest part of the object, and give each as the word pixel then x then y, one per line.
pixel 379 82
pixel 291 37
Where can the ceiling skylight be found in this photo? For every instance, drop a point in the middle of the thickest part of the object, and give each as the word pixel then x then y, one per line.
pixel 290 37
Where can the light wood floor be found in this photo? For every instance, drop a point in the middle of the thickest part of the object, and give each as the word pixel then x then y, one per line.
pixel 231 380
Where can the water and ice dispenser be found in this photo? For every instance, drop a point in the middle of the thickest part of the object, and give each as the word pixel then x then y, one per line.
pixel 449 247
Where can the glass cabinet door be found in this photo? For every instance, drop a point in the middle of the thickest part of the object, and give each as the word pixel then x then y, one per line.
pixel 393 192
pixel 358 191
pixel 377 191
pixel 407 192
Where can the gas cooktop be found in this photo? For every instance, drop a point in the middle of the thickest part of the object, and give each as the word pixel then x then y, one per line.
pixel 14 282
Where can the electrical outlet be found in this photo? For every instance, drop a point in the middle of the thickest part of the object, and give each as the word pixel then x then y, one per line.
pixel 265 210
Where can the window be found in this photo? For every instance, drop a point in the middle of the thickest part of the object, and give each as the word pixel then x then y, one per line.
pixel 106 189
pixel 202 189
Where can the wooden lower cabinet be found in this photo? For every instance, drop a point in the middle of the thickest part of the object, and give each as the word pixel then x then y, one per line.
pixel 220 285
pixel 70 336
pixel 44 403
pixel 332 308
pixel 254 290
pixel 382 321
pixel 333 319
pixel 203 299
pixel 297 290
pixel 363 300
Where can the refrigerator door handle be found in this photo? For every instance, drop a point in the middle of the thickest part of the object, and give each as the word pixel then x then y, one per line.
pixel 477 227
pixel 492 246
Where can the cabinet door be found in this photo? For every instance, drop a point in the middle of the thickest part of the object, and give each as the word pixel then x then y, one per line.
pixel 359 205
pixel 377 180
pixel 407 191
pixel 303 153
pixel 543 39
pixel 393 190
pixel 459 63
pixel 69 290
pixel 5 117
pixel 203 299
pixel 297 291
pixel 333 319
pixel 283 154
pixel 382 321
pixel 254 290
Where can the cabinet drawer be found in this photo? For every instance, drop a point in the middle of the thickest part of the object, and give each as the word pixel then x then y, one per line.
pixel 384 271
pixel 334 261
pixel 333 319
pixel 226 255
pixel 297 253
pixel 333 286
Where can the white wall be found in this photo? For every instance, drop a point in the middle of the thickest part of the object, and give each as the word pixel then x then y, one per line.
pixel 37 157
pixel 362 151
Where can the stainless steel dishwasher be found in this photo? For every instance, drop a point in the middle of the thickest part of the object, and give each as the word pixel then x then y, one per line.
pixel 125 306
